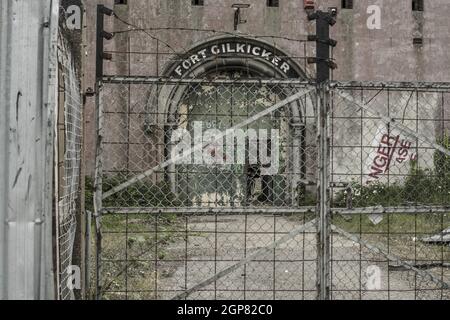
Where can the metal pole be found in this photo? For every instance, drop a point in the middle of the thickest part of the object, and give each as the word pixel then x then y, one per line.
pixel 98 194
pixel 323 48
pixel 100 44
pixel 323 205
pixel 85 222
pixel 98 162
pixel 324 208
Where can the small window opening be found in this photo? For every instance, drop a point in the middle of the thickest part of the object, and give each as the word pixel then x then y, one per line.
pixel 198 2
pixel 417 5
pixel 273 3
pixel 418 41
pixel 347 4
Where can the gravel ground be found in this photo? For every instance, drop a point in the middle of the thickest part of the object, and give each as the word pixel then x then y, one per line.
pixel 288 272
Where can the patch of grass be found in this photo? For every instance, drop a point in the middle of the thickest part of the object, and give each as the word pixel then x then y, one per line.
pixel 132 249
pixel 421 187
pixel 136 223
pixel 420 224
pixel 141 194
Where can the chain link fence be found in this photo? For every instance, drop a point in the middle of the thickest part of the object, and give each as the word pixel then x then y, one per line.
pixel 208 190
pixel 210 173
pixel 195 196
pixel 70 129
pixel 390 187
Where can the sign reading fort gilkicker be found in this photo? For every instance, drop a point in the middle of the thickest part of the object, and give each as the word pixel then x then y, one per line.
pixel 235 48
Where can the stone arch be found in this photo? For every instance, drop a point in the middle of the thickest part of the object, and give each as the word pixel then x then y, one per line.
pixel 165 99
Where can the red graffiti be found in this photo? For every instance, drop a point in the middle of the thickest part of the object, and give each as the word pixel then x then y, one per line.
pixel 390 148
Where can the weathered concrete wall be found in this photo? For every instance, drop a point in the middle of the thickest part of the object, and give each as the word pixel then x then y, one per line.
pixel 387 54
pixel 362 54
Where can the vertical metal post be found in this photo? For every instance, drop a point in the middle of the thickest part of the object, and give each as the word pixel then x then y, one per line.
pixel 100 42
pixel 323 48
pixel 324 20
pixel 98 192
pixel 86 216
pixel 323 205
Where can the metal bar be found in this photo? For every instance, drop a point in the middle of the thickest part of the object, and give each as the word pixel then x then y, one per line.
pixel 323 203
pixel 204 211
pixel 87 253
pixel 246 261
pixel 389 85
pixel 420 266
pixel 109 79
pixel 201 146
pixel 49 103
pixel 393 210
pixel 86 215
pixel 122 79
pixel 98 188
pixel 288 210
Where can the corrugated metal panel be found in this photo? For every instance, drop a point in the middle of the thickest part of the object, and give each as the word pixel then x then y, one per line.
pixel 28 88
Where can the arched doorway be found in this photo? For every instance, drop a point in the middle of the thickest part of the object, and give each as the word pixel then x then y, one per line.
pixel 272 166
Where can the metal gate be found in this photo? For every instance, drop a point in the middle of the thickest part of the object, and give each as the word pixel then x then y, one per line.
pixel 227 176
pixel 389 226
pixel 209 194
pixel 272 189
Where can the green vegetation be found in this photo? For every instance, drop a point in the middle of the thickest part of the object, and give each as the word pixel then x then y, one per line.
pixel 421 187
pixel 141 194
pixel 400 224
pixel 442 164
pixel 145 238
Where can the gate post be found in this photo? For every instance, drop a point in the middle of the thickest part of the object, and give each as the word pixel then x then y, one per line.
pixel 98 189
pixel 323 42
pixel 323 203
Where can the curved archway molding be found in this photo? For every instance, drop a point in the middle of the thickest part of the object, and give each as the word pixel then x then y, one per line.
pixel 252 59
